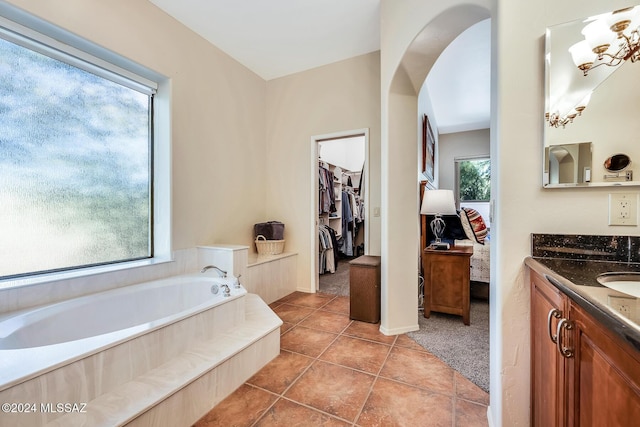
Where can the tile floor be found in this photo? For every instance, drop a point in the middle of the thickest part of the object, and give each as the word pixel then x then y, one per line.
pixel 333 371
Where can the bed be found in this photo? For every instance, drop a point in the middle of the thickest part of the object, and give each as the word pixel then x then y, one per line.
pixel 468 229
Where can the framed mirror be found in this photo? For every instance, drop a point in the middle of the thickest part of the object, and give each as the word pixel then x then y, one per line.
pixel 600 107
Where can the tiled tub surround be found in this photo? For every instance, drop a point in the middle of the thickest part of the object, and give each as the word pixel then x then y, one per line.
pixel 170 374
pixel 270 276
pixel 572 264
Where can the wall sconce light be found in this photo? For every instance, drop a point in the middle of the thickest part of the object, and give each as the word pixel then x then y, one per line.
pixel 610 40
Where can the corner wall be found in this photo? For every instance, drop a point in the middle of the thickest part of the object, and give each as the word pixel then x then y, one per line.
pixel 334 98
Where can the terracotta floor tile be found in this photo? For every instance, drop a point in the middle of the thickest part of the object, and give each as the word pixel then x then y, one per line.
pixel 467 390
pixel 242 408
pixel 274 304
pixel 290 414
pixel 285 327
pixel 405 341
pixel 310 300
pixel 339 305
pixel 369 331
pixel 292 295
pixel 306 341
pixel 357 354
pixel 469 414
pixel 418 368
pixel 414 388
pixel 332 389
pixel 395 404
pixel 281 372
pixel 292 313
pixel 326 321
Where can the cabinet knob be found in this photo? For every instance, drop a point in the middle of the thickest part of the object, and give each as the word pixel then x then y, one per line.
pixel 564 351
pixel 554 312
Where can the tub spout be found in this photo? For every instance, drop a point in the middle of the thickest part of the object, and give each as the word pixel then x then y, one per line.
pixel 209 267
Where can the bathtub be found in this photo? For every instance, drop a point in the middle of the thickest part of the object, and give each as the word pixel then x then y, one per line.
pixel 87 349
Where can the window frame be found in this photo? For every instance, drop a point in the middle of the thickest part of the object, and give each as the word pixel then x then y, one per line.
pixel 457 161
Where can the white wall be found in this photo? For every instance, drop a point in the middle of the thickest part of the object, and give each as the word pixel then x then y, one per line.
pixel 334 98
pixel 521 206
pixel 407 57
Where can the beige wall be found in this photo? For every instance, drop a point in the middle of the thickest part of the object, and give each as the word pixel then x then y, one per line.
pixel 217 113
pixel 459 144
pixel 407 54
pixel 517 134
pixel 334 98
pixel 242 149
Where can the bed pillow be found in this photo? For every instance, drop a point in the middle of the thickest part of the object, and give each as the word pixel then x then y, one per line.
pixel 473 225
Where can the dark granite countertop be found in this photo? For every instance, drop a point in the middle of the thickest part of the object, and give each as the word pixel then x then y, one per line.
pixel 577 279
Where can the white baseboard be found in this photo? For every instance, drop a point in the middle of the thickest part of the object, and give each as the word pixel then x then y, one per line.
pixel 398 331
pixel 489 417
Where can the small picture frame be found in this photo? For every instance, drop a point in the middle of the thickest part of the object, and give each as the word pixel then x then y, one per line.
pixel 428 150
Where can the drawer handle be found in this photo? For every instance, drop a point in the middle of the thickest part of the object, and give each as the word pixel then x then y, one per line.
pixel 564 351
pixel 554 312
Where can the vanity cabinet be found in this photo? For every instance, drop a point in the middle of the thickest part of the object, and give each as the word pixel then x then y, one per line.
pixel 581 373
pixel 604 373
pixel 548 394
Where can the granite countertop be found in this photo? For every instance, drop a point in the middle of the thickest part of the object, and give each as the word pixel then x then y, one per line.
pixel 577 279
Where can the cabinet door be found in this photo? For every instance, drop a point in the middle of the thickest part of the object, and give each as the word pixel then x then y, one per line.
pixel 605 374
pixel 548 390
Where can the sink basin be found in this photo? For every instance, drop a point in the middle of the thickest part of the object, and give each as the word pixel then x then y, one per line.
pixel 625 282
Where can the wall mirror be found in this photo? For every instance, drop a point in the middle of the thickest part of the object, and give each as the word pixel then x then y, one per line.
pixel 567 164
pixel 596 102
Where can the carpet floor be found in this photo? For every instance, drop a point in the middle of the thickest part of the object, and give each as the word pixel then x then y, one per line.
pixel 464 348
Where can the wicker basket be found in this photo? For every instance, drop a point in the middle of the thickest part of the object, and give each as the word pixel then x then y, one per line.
pixel 269 247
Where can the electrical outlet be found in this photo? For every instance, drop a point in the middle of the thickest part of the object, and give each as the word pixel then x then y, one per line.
pixel 623 209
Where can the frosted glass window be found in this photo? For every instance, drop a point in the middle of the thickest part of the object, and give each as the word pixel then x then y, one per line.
pixel 75 166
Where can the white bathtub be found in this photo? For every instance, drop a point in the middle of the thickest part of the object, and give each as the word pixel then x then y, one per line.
pixel 35 340
pixel 126 311
pixel 128 353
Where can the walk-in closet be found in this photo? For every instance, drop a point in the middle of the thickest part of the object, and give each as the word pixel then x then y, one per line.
pixel 341 210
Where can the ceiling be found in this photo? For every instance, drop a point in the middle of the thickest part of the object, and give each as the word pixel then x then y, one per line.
pixel 276 38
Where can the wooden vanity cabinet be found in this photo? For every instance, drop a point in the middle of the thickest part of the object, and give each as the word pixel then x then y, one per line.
pixel 596 382
pixel 604 373
pixel 548 385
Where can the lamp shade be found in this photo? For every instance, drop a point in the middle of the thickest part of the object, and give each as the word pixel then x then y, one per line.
pixel 438 202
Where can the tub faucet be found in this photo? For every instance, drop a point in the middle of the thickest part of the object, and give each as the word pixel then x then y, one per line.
pixel 226 292
pixel 209 267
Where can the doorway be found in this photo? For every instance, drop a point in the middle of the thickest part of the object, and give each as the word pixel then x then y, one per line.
pixel 340 222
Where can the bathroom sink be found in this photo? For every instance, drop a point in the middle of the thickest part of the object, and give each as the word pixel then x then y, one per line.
pixel 625 282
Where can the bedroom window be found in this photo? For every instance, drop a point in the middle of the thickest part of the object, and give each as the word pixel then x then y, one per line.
pixel 473 184
pixel 76 157
pixel 473 179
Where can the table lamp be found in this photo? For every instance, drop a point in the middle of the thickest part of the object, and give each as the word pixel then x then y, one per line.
pixel 438 203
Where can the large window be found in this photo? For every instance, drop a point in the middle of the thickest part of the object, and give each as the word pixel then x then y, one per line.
pixel 75 160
